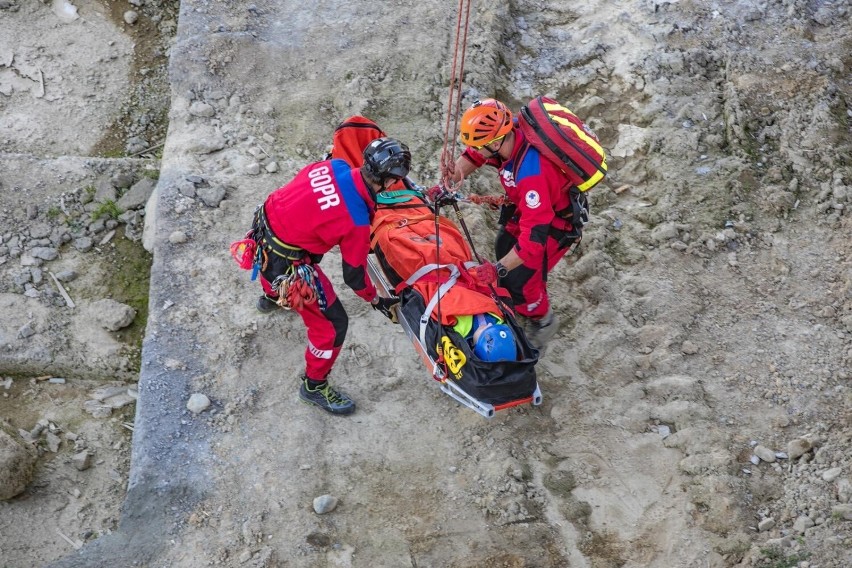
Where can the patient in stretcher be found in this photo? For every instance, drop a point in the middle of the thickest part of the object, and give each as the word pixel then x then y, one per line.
pixel 488 336
pixel 466 325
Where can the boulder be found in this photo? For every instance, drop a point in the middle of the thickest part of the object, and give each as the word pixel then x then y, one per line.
pixel 16 466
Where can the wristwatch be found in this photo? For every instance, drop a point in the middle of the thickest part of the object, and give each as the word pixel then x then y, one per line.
pixel 502 271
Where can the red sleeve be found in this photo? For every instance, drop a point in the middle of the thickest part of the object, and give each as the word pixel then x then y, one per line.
pixel 478 159
pixel 473 157
pixel 354 249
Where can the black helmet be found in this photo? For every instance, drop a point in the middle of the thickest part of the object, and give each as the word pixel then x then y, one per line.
pixel 385 158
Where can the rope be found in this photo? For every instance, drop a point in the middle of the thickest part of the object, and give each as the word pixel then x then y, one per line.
pixel 448 157
pixel 493 201
pixel 438 291
pixel 454 97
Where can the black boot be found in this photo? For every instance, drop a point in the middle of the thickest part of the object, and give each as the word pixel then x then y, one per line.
pixel 267 304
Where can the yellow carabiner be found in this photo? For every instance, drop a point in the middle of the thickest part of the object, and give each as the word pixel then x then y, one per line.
pixel 454 356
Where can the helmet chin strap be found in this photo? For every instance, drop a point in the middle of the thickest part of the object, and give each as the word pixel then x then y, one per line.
pixel 495 154
pixel 375 187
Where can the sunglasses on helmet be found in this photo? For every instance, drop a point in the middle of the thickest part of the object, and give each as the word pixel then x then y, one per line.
pixel 498 139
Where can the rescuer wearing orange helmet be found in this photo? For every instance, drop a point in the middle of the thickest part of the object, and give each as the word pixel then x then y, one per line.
pixel 536 229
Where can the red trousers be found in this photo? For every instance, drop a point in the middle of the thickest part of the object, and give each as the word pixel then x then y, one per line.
pixel 326 329
pixel 528 284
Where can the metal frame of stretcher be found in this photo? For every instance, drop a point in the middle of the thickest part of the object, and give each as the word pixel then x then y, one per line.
pixel 447 385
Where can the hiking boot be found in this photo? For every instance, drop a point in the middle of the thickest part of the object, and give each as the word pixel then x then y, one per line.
pixel 542 330
pixel 326 398
pixel 267 304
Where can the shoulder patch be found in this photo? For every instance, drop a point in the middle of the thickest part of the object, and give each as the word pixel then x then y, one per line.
pixel 533 199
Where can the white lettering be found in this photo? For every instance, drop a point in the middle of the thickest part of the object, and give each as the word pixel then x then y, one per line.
pixel 321 182
pixel 328 201
pixel 325 189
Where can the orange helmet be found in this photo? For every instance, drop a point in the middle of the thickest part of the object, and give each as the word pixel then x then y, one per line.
pixel 485 121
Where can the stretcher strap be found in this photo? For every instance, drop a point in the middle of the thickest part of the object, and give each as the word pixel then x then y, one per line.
pixel 455 274
pixel 424 319
pixel 423 270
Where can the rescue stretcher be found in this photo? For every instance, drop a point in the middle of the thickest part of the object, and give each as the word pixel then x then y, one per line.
pixel 423 258
pixel 408 227
pixel 411 322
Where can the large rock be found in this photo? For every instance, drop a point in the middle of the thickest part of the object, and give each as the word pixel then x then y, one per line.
pixel 138 195
pixel 113 315
pixel 16 466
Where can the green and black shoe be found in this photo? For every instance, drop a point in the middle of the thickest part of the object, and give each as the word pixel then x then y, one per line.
pixel 326 398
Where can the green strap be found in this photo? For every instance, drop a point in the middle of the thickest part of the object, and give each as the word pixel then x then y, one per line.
pixel 399 196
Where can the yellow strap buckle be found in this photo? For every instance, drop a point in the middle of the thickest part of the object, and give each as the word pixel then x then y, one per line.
pixel 454 356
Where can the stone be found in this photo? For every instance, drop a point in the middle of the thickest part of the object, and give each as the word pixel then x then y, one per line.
pixel 802 523
pixel 798 447
pixel 17 466
pixel 198 403
pixel 137 196
pixel 83 244
pixel 44 253
pixel 831 474
pixel 689 348
pixel 325 504
pixel 82 460
pixel 843 511
pixel 113 315
pixel 212 196
pixel 764 453
pixel 844 490
pixel 201 109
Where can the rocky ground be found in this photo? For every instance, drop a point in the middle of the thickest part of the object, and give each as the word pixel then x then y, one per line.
pixel 697 400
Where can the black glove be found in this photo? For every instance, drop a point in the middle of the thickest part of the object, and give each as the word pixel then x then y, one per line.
pixel 384 305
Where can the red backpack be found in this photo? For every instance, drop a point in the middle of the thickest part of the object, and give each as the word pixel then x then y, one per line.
pixel 351 137
pixel 565 140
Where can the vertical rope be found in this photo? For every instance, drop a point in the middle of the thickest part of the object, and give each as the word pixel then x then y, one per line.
pixel 454 96
pixel 450 128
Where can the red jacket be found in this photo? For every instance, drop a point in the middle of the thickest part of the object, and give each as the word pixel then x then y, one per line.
pixel 327 204
pixel 538 188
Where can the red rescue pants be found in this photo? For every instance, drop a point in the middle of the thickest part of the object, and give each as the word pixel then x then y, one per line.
pixel 527 284
pixel 326 329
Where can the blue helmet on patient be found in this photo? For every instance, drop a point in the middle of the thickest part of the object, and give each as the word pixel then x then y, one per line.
pixel 496 343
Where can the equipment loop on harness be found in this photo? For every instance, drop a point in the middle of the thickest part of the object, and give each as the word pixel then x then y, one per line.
pixel 299 287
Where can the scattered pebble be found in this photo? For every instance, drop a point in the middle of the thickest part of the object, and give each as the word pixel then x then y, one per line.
pixel 198 403
pixel 177 237
pixel 325 504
